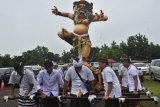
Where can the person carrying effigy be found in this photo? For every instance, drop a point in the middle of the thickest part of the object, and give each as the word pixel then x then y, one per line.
pixel 27 85
pixel 78 75
pixel 48 81
pixel 82 17
pixel 111 83
pixel 134 83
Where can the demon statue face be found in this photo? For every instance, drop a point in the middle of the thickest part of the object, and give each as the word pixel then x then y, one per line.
pixel 82 10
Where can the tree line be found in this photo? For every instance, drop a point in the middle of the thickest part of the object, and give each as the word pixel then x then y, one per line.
pixel 137 47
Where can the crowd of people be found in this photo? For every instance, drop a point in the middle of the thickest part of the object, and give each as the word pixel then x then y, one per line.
pixel 52 81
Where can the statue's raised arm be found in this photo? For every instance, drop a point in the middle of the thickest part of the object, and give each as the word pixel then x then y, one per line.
pixel 64 14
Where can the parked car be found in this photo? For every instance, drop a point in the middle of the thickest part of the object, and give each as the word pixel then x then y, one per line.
pixel 115 67
pixel 5 74
pixel 61 66
pixel 30 66
pixel 142 67
pixel 155 69
pixel 94 64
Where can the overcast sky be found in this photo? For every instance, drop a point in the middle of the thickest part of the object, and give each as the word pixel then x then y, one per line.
pixel 25 24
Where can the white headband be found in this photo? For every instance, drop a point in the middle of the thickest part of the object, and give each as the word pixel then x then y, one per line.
pixel 77 64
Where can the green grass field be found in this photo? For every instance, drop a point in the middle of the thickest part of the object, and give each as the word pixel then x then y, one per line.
pixel 153 86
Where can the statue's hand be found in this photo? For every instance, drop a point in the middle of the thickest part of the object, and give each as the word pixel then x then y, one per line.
pixel 100 16
pixel 55 10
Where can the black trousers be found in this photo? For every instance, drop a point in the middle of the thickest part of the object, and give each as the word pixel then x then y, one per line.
pixel 50 102
pixel 80 102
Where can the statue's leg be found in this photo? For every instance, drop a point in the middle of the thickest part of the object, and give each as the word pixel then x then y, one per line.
pixel 66 35
pixel 86 52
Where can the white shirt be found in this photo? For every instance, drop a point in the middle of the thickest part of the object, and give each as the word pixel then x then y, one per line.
pixel 77 84
pixel 123 73
pixel 50 83
pixel 27 79
pixel 109 75
pixel 132 71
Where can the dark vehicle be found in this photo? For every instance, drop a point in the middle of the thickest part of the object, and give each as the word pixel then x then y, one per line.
pixel 5 74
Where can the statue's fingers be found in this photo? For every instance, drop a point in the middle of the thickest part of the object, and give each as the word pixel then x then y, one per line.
pixel 101 14
pixel 101 11
pixel 53 10
pixel 55 7
pixel 97 15
pixel 63 29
